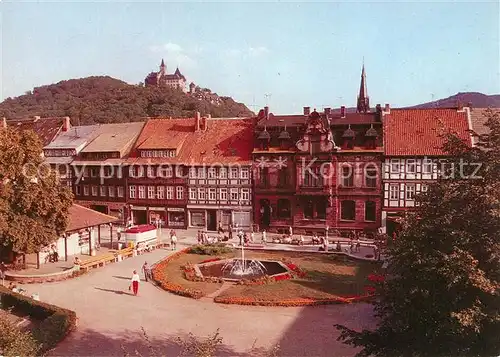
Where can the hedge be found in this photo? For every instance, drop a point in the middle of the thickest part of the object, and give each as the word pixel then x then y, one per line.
pixel 55 322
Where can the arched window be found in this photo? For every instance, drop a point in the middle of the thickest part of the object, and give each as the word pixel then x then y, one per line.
pixel 348 210
pixel 284 208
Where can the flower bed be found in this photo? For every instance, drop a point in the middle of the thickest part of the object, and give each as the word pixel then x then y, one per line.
pixel 210 260
pixel 290 302
pixel 55 324
pixel 376 278
pixel 266 279
pixel 161 278
pixel 190 274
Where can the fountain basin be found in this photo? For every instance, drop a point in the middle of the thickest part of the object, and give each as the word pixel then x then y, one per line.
pixel 217 269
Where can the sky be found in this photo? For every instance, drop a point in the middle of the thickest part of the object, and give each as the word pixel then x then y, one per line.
pixel 284 54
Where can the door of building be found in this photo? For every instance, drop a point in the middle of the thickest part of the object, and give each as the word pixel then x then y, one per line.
pixel 140 217
pixel 211 220
pixel 226 219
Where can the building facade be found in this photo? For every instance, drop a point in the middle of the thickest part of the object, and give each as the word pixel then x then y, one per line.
pixel 414 156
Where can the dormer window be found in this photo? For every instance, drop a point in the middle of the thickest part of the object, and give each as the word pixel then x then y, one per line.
pixel 348 138
pixel 284 139
pixel 371 138
pixel 264 138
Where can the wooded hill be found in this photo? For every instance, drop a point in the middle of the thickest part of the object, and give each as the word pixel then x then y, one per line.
pixel 95 100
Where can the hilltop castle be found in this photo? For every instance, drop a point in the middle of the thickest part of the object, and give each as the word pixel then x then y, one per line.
pixel 163 79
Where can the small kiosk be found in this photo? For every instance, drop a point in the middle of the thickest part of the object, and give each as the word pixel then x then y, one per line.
pixel 141 235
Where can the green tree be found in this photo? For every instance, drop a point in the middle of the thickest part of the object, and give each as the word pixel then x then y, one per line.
pixel 442 293
pixel 33 204
pixel 14 342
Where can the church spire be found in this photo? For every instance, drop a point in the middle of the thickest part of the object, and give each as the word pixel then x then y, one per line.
pixel 163 68
pixel 363 99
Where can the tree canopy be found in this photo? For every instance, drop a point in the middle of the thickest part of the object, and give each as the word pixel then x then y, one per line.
pixel 33 204
pixel 95 100
pixel 441 296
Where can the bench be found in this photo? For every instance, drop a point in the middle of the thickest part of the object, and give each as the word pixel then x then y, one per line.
pixel 125 252
pixel 151 246
pixel 98 261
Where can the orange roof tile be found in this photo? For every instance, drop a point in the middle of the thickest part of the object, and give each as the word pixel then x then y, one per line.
pixel 46 128
pixel 225 141
pixel 81 217
pixel 417 132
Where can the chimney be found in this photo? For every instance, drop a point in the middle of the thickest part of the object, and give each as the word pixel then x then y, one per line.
pixel 66 124
pixel 307 110
pixel 469 104
pixel 4 123
pixel 266 112
pixel 328 111
pixel 197 121
pixel 342 111
pixel 387 108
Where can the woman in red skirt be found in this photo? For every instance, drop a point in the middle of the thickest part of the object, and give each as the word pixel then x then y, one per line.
pixel 135 282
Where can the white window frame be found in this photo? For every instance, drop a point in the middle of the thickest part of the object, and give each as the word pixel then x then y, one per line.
pixel 192 193
pixel 212 173
pixel 245 194
pixel 119 191
pixel 170 193
pixel 93 190
pixel 411 163
pixel 201 172
pixel 244 173
pixel 160 192
pixel 426 166
pixel 233 173
pixel 151 192
pixel 201 193
pixel 140 171
pixel 395 163
pixel 142 192
pixel 192 172
pixel 179 193
pixel 233 194
pixel 102 191
pixel 111 191
pixel 424 187
pixel 151 172
pixel 78 190
pixel 410 192
pixel 394 192
pixel 212 194
pixel 223 173
pixel 179 172
pixel 86 190
pixel 222 194
pixel 132 191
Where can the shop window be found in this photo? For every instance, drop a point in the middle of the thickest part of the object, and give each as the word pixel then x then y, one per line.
pixel 175 219
pixel 370 211
pixel 348 210
pixel 284 208
pixel 198 218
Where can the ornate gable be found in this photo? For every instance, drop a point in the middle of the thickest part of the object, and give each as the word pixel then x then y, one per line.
pixel 317 136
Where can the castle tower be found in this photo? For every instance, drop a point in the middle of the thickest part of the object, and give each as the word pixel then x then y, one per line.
pixel 363 99
pixel 163 68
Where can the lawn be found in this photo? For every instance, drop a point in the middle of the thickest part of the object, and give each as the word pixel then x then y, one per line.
pixel 327 276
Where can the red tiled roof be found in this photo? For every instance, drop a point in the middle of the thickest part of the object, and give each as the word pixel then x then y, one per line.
pixel 81 217
pixel 225 141
pixel 418 132
pixel 45 128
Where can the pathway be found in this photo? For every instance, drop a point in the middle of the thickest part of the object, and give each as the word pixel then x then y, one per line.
pixel 109 317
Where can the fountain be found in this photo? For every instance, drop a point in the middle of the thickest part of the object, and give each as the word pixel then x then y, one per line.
pixel 240 268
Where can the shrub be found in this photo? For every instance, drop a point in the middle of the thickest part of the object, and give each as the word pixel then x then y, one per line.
pixel 14 342
pixel 210 249
pixel 55 322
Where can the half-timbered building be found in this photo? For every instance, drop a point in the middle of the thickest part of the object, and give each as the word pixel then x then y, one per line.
pixel 192 172
pixel 414 154
pixel 100 170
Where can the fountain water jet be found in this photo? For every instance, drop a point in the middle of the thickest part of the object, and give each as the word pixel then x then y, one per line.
pixel 240 267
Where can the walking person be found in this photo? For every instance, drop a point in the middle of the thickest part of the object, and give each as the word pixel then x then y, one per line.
pixel 134 283
pixel 146 269
pixel 173 242
pixel 230 231
pixel 220 230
